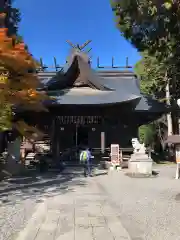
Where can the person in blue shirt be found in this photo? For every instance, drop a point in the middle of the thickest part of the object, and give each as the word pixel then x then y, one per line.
pixel 85 159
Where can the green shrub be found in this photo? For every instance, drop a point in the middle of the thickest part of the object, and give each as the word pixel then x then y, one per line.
pixel 147 134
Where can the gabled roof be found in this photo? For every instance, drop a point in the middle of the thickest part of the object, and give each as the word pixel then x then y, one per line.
pixel 78 74
pixel 79 84
pixel 147 103
pixel 89 96
pixel 128 81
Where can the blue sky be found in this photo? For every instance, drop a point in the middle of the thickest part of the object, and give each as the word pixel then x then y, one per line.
pixel 46 25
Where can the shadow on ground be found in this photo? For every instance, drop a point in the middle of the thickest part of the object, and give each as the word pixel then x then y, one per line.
pixel 100 174
pixel 141 175
pixel 39 186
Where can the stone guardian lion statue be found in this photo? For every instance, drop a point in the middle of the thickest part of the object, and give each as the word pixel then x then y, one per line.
pixel 138 147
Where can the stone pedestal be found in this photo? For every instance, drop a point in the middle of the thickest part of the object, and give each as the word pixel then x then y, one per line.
pixel 140 164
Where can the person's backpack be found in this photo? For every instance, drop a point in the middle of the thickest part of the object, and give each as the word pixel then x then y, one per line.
pixel 83 156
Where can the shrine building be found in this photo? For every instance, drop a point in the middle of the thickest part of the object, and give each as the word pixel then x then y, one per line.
pixel 96 108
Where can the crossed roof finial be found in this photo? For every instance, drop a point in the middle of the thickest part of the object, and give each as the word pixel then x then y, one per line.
pixel 79 47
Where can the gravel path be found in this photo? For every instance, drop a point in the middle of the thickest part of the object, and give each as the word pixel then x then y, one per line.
pixel 19 199
pixel 14 215
pixel 18 205
pixel 16 208
pixel 149 208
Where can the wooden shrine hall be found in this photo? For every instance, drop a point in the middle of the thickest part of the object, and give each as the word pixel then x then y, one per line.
pixel 93 107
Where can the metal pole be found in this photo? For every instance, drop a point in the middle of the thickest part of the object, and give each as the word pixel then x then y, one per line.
pixel 177 146
pixel 178 153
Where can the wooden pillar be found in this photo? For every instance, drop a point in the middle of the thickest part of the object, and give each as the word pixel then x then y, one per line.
pixel 94 137
pixel 52 131
pixel 103 142
pixel 61 139
pixel 58 131
pixel 57 146
pixel 54 138
pixel 103 136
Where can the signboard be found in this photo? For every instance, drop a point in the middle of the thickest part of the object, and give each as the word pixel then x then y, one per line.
pixel 115 156
pixel 81 120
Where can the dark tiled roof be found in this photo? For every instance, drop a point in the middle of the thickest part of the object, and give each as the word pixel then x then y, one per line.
pixel 118 86
pixel 79 73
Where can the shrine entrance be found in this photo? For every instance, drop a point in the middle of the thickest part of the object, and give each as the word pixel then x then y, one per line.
pixel 81 135
pixel 70 132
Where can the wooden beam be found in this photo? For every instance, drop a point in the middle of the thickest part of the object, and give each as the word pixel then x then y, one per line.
pixel 42 66
pixel 85 44
pixel 71 44
pixel 112 64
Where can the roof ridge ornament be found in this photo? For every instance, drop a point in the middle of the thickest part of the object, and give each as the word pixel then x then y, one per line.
pixel 127 66
pixel 79 47
pixel 78 50
pixel 42 67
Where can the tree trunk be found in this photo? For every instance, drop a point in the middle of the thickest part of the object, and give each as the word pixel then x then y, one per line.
pixel 169 117
pixel 13 166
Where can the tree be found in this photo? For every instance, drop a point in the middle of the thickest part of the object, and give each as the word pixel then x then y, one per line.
pixel 17 69
pixel 151 75
pixel 17 87
pixel 153 28
pixel 150 25
pixel 21 82
pixel 147 134
pixel 5 116
pixel 12 18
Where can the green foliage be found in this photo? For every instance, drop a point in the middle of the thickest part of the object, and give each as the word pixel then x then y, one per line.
pixel 5 117
pixel 12 17
pixel 151 74
pixel 147 134
pixel 149 25
pixel 153 28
